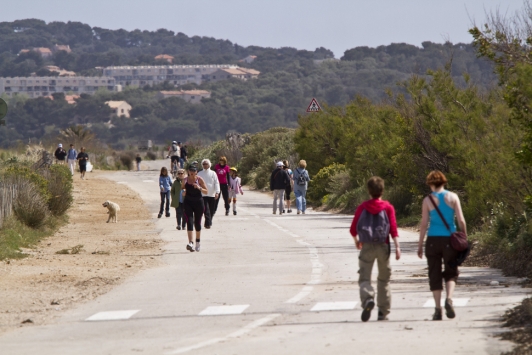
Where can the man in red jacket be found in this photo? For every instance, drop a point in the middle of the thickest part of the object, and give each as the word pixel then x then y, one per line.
pixel 366 221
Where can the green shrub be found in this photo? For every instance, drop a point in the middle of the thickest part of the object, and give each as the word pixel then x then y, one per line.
pixel 17 172
pixel 60 188
pixel 127 159
pixel 317 188
pixel 151 156
pixel 29 206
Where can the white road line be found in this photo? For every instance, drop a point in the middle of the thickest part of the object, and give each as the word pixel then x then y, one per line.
pixel 223 310
pixel 121 182
pixel 112 315
pixel 242 331
pixel 304 293
pixel 333 306
pixel 148 180
pixel 457 302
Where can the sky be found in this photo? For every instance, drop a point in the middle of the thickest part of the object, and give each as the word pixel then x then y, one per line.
pixel 337 25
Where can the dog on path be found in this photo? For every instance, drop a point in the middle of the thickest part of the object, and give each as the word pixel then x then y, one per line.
pixel 113 209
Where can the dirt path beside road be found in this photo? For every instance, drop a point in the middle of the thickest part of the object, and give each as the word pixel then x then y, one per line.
pixel 42 285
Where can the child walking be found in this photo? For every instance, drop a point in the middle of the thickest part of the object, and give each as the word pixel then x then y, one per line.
pixel 177 200
pixel 371 228
pixel 165 183
pixel 234 187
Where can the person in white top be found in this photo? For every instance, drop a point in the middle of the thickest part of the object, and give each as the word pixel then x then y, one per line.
pixel 174 152
pixel 234 187
pixel 213 191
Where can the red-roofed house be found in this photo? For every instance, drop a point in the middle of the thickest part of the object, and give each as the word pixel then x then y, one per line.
pixel 165 57
pixel 44 52
pixel 238 73
pixel 248 59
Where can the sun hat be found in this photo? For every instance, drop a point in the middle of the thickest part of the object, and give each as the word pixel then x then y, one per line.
pixel 234 169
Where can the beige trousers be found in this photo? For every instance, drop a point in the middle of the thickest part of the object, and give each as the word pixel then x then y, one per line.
pixel 278 195
pixel 366 259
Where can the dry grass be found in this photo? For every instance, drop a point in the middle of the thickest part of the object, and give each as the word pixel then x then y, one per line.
pixel 520 320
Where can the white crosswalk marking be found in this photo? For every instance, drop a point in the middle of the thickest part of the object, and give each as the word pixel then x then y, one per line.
pixel 333 306
pixel 112 315
pixel 224 310
pixel 457 302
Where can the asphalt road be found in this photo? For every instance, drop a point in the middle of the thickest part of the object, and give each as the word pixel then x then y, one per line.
pixel 270 284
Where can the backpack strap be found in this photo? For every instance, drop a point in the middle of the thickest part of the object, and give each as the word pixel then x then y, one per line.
pixel 439 212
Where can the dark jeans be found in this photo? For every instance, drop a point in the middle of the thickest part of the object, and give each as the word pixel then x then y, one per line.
pixel 180 215
pixel 209 209
pixel 165 196
pixel 224 189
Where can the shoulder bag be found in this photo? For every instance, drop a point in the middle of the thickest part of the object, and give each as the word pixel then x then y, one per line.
pixel 458 239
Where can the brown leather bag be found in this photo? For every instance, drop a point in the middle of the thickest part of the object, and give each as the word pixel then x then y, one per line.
pixel 458 239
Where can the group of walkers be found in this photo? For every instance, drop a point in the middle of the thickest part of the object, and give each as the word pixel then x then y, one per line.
pixel 374 222
pixel 283 181
pixel 70 157
pixel 195 194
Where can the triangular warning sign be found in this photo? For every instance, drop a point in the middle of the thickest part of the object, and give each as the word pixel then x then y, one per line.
pixel 314 106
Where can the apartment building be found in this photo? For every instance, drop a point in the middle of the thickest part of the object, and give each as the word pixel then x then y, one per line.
pixel 43 86
pixel 157 74
pixel 237 73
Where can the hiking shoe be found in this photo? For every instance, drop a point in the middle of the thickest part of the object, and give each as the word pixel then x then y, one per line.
pixel 284 211
pixel 207 227
pixel 227 212
pixel 184 227
pixel 303 212
pixel 289 211
pixel 366 312
pixel 437 314
pixel 449 309
pixel 234 213
pixel 197 246
pixel 168 215
pixel 178 228
pixel 274 212
pixel 159 215
pixel 190 246
pixel 298 212
pixel 381 316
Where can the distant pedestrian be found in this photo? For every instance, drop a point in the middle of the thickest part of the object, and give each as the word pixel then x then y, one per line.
pixel 72 156
pixel 165 185
pixel 174 154
pixel 178 200
pixel 279 180
pixel 372 225
pixel 301 179
pixel 138 159
pixel 83 159
pixel 213 191
pixel 183 154
pixel 60 154
pixel 438 249
pixel 222 170
pixel 193 187
pixel 289 188
pixel 235 187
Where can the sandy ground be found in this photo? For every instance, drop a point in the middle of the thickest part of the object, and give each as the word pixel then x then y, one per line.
pixel 42 285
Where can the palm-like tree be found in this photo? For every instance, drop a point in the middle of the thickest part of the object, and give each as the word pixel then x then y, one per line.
pixel 78 135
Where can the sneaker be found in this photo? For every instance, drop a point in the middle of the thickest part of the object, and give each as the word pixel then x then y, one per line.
pixel 190 246
pixel 168 215
pixel 178 228
pixel 381 316
pixel 274 212
pixel 284 211
pixel 366 312
pixel 449 309
pixel 289 211
pixel 227 212
pixel 197 246
pixel 437 314
pixel 234 213
pixel 298 212
pixel 184 227
pixel 207 227
pixel 159 215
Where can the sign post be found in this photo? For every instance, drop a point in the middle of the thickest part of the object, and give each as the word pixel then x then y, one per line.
pixel 314 106
pixel 3 112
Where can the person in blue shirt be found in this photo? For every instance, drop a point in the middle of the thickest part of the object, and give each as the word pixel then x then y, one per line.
pixel 438 246
pixel 165 184
pixel 72 156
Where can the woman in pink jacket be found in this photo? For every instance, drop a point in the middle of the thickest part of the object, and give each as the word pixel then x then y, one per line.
pixel 222 171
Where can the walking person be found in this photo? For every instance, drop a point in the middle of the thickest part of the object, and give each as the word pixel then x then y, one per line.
pixel 371 228
pixel 60 154
pixel 177 200
pixel 165 185
pixel 72 156
pixel 82 159
pixel 138 159
pixel 213 191
pixel 193 187
pixel 183 154
pixel 278 182
pixel 289 188
pixel 234 187
pixel 301 179
pixel 222 170
pixel 437 246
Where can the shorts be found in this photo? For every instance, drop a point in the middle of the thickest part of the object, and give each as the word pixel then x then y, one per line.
pixel 174 158
pixel 82 168
pixel 232 194
pixel 287 193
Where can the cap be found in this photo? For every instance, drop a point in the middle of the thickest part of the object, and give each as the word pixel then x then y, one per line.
pixel 174 142
pixel 234 169
pixel 280 163
pixel 60 145
pixel 192 168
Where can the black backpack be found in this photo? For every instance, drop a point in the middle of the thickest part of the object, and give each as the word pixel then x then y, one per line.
pixel 301 179
pixel 373 228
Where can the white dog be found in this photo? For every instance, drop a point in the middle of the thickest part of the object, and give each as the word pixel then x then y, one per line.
pixel 113 209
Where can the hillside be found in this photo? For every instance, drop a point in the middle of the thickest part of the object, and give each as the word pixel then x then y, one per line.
pixel 289 79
